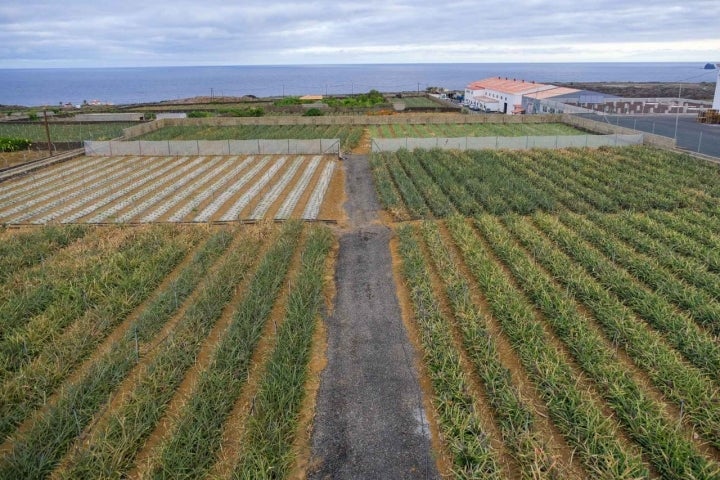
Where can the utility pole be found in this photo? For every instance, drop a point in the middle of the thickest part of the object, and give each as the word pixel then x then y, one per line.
pixel 418 87
pixel 677 113
pixel 47 133
pixel 212 94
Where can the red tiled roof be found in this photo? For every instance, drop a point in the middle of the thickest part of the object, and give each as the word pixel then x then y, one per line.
pixel 552 92
pixel 508 85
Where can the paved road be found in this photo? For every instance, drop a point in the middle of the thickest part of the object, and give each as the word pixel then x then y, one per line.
pixel 691 135
pixel 369 421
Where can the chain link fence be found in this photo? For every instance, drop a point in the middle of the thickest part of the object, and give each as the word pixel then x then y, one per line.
pixel 318 146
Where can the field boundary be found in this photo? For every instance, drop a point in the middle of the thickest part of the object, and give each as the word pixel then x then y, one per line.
pixel 606 128
pixel 441 118
pixel 510 143
pixel 320 146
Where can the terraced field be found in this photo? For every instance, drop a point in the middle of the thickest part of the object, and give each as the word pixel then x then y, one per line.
pixel 173 189
pixel 566 308
pixel 349 135
pixel 400 130
pixel 166 351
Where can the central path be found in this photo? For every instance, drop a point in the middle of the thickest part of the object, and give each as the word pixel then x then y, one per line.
pixel 370 421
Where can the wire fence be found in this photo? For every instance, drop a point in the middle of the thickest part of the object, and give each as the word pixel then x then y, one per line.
pixel 510 143
pixel 213 147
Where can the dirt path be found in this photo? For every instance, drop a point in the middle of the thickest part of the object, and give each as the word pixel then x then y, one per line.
pixel 370 421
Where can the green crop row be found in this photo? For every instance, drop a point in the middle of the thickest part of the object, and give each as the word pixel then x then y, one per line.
pixel 434 197
pixel 387 192
pixel 514 416
pixel 127 279
pixel 53 431
pixel 190 452
pixel 681 332
pixel 273 424
pixel 117 440
pixel 469 444
pixel 700 306
pixel 63 132
pixel 36 246
pixel 574 411
pixel 683 384
pixel 473 130
pixel 671 454
pixel 13 144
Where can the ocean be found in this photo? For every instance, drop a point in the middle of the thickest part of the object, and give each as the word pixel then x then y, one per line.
pixel 35 87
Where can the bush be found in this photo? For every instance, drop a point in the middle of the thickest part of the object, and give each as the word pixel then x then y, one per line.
pixel 244 112
pixel 199 114
pixel 287 101
pixel 13 144
pixel 313 112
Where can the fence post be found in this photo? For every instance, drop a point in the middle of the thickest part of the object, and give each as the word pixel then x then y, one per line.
pixel 699 142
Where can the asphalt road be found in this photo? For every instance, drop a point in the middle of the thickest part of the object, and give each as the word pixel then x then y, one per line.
pixel 691 135
pixel 369 422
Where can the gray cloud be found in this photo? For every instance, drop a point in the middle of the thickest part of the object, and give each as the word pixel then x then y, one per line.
pixel 105 33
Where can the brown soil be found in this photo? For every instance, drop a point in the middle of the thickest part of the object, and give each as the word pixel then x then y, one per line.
pixel 209 181
pixel 332 205
pixel 443 457
pixel 234 431
pixel 300 206
pixel 670 410
pixel 147 455
pixel 11 159
pixel 476 389
pixel 247 211
pixel 302 446
pixel 363 146
pixel 559 449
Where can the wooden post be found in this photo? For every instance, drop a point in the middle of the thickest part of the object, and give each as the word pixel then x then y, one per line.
pixel 47 133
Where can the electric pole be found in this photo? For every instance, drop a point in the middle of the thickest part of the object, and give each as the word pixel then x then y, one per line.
pixel 47 133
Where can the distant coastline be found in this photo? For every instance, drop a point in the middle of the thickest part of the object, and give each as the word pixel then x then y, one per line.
pixel 34 87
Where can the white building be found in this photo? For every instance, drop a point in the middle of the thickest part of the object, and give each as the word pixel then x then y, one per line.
pixel 498 94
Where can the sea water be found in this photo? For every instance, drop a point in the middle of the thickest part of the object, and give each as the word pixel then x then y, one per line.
pixel 34 87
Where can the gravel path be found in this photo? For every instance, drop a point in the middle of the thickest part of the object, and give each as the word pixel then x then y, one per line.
pixel 369 421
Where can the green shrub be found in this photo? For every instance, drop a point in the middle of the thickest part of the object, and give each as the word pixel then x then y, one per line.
pixel 244 112
pixel 199 114
pixel 287 101
pixel 13 144
pixel 314 112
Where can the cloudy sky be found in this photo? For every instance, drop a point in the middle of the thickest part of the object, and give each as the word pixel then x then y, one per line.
pixel 100 33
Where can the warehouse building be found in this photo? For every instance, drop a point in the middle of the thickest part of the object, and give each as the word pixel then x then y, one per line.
pixel 503 95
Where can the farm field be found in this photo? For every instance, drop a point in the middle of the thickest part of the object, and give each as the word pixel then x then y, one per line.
pixel 349 135
pixel 566 307
pixel 175 189
pixel 399 130
pixel 161 350
pixel 416 102
pixel 64 132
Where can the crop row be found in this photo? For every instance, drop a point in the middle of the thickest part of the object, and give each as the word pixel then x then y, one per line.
pixel 64 132
pixel 349 135
pixel 99 421
pixel 401 130
pixel 558 319
pixel 149 189
pixel 583 180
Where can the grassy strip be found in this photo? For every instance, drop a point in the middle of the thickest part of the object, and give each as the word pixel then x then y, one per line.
pixel 515 417
pixel 129 279
pixel 113 448
pixel 681 332
pixel 669 452
pixel 190 452
pixel 679 382
pixel 389 196
pixel 431 192
pixel 574 412
pixel 51 434
pixel 30 248
pixel 703 308
pixel 271 428
pixel 473 456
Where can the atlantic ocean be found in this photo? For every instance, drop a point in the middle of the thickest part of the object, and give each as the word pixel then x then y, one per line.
pixel 35 87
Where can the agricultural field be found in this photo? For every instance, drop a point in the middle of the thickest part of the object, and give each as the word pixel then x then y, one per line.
pixel 416 102
pixel 400 130
pixel 349 135
pixel 169 351
pixel 565 304
pixel 64 132
pixel 175 189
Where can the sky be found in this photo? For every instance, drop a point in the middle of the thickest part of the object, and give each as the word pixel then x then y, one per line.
pixel 110 33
